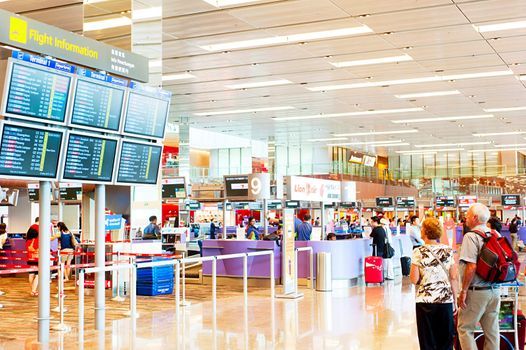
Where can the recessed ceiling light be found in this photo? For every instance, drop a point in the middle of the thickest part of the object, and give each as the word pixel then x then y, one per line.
pixel 240 111
pixel 288 39
pixel 453 144
pixel 438 119
pixel 351 114
pixel 259 84
pixel 372 133
pixel 505 133
pixel 180 76
pixel 429 94
pixel 493 150
pixel 412 80
pixel 505 109
pixel 370 61
pixel 500 26
pixel 431 151
pixel 107 23
pixel 328 139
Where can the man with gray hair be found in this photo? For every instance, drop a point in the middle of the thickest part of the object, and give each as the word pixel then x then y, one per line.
pixel 478 300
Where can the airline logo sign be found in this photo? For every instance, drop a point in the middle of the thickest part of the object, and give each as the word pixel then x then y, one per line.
pixel 31 35
pixel 314 190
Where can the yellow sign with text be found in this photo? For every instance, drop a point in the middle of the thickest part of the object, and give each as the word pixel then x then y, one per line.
pixel 18 30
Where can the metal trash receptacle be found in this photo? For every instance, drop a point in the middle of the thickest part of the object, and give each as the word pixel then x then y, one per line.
pixel 324 272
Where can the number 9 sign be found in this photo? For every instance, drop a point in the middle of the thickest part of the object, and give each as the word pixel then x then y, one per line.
pixel 259 186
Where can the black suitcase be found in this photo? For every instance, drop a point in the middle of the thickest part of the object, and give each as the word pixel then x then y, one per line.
pixel 406 265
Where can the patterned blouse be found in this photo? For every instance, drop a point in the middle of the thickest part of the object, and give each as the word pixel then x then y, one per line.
pixel 434 286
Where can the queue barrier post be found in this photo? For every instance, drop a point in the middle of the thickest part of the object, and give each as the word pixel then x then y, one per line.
pixel 311 266
pixel 177 287
pixel 61 308
pixel 118 296
pixel 183 263
pixel 81 307
pixel 132 311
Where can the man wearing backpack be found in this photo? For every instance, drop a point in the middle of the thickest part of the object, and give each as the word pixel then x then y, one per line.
pixel 478 300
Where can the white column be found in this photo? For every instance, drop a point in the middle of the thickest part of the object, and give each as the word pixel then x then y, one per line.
pixel 100 255
pixel 44 238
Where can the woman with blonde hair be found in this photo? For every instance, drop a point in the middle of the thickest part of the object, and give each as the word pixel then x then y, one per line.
pixel 434 273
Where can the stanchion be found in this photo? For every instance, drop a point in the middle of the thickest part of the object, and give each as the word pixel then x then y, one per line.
pixel 133 290
pixel 118 297
pixel 81 307
pixel 184 302
pixel 61 308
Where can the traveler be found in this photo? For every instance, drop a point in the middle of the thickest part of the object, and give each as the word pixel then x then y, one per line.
pixel 68 244
pixel 414 231
pixel 252 232
pixel 478 300
pixel 33 255
pixel 305 229
pixel 214 226
pixel 317 222
pixel 152 231
pixel 495 225
pixel 331 236
pixel 434 274
pixel 388 262
pixel 514 229
pixel 378 235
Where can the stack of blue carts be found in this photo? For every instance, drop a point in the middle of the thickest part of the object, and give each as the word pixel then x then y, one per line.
pixel 155 280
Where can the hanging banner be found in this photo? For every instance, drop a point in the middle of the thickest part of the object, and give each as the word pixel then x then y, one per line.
pixel 288 261
pixel 312 189
pixel 30 35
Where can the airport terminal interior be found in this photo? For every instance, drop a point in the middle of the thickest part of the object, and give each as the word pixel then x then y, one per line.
pixel 261 174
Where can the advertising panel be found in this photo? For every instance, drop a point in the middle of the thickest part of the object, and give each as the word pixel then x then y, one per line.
pixel 312 189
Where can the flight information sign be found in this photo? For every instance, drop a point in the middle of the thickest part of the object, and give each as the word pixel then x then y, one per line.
pixel 29 152
pixel 89 158
pixel 97 105
pixel 146 112
pixel 38 93
pixel 139 163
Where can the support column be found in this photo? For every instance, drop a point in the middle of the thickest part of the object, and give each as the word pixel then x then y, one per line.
pixel 100 256
pixel 44 238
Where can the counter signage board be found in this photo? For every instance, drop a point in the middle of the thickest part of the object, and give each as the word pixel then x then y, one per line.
pixel 384 202
pixel 348 205
pixel 312 189
pixel 466 201
pixel 236 187
pixel 292 204
pixel 33 192
pixel 445 201
pixel 405 202
pixel 288 263
pixel 30 35
pixel 193 206
pixel 259 186
pixel 113 222
pixel 356 157
pixel 70 192
pixel 274 205
pixel 513 200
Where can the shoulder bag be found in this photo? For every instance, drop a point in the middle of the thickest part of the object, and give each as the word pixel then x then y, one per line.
pixel 389 251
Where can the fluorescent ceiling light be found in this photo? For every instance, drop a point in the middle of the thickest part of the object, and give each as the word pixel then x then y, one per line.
pixel 147 13
pixel 500 133
pixel 260 84
pixel 500 26
pixel 454 144
pixel 509 109
pixel 522 77
pixel 411 81
pixel 107 23
pixel 429 94
pixel 431 151
pixel 223 3
pixel 328 139
pixel 499 150
pixel 390 59
pixel 511 145
pixel 240 111
pixel 372 133
pixel 288 39
pixel 438 119
pixel 181 76
pixel 155 63
pixel 370 143
pixel 352 114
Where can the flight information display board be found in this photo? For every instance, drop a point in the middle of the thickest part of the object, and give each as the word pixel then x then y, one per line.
pixel 139 163
pixel 146 112
pixel 38 93
pixel 31 153
pixel 97 104
pixel 89 158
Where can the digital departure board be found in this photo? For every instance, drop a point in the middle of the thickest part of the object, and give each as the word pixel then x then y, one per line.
pixel 146 114
pixel 139 163
pixel 89 158
pixel 30 152
pixel 97 105
pixel 37 93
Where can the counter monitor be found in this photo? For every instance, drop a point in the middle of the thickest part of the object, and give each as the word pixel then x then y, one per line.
pixel 73 193
pixel 37 93
pixel 174 188
pixel 292 204
pixel 89 158
pixel 384 202
pixel 236 187
pixel 405 202
pixel 146 115
pixel 513 200
pixel 445 201
pixel 139 163
pixel 97 105
pixel 30 152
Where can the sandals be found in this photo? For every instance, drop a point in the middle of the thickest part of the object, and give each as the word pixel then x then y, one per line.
pixel 34 294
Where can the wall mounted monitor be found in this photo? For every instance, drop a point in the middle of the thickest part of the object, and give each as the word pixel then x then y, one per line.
pixel 139 163
pixel 384 202
pixel 405 202
pixel 37 92
pixel 513 200
pixel 70 191
pixel 89 158
pixel 30 153
pixel 236 187
pixel 445 201
pixel 98 102
pixel 146 112
pixel 174 188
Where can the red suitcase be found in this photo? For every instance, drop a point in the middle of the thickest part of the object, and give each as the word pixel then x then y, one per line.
pixel 374 270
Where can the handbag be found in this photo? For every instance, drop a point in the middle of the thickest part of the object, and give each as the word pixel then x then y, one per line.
pixel 389 251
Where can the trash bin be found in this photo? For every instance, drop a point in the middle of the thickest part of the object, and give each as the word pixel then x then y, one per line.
pixel 323 272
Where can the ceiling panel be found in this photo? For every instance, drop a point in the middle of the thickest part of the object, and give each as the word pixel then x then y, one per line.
pixel 502 10
pixel 360 7
pixel 209 23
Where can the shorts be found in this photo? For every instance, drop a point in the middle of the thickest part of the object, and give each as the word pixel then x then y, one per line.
pixel 66 256
pixel 31 264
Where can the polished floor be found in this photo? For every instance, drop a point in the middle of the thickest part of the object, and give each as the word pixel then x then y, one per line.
pixel 355 318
